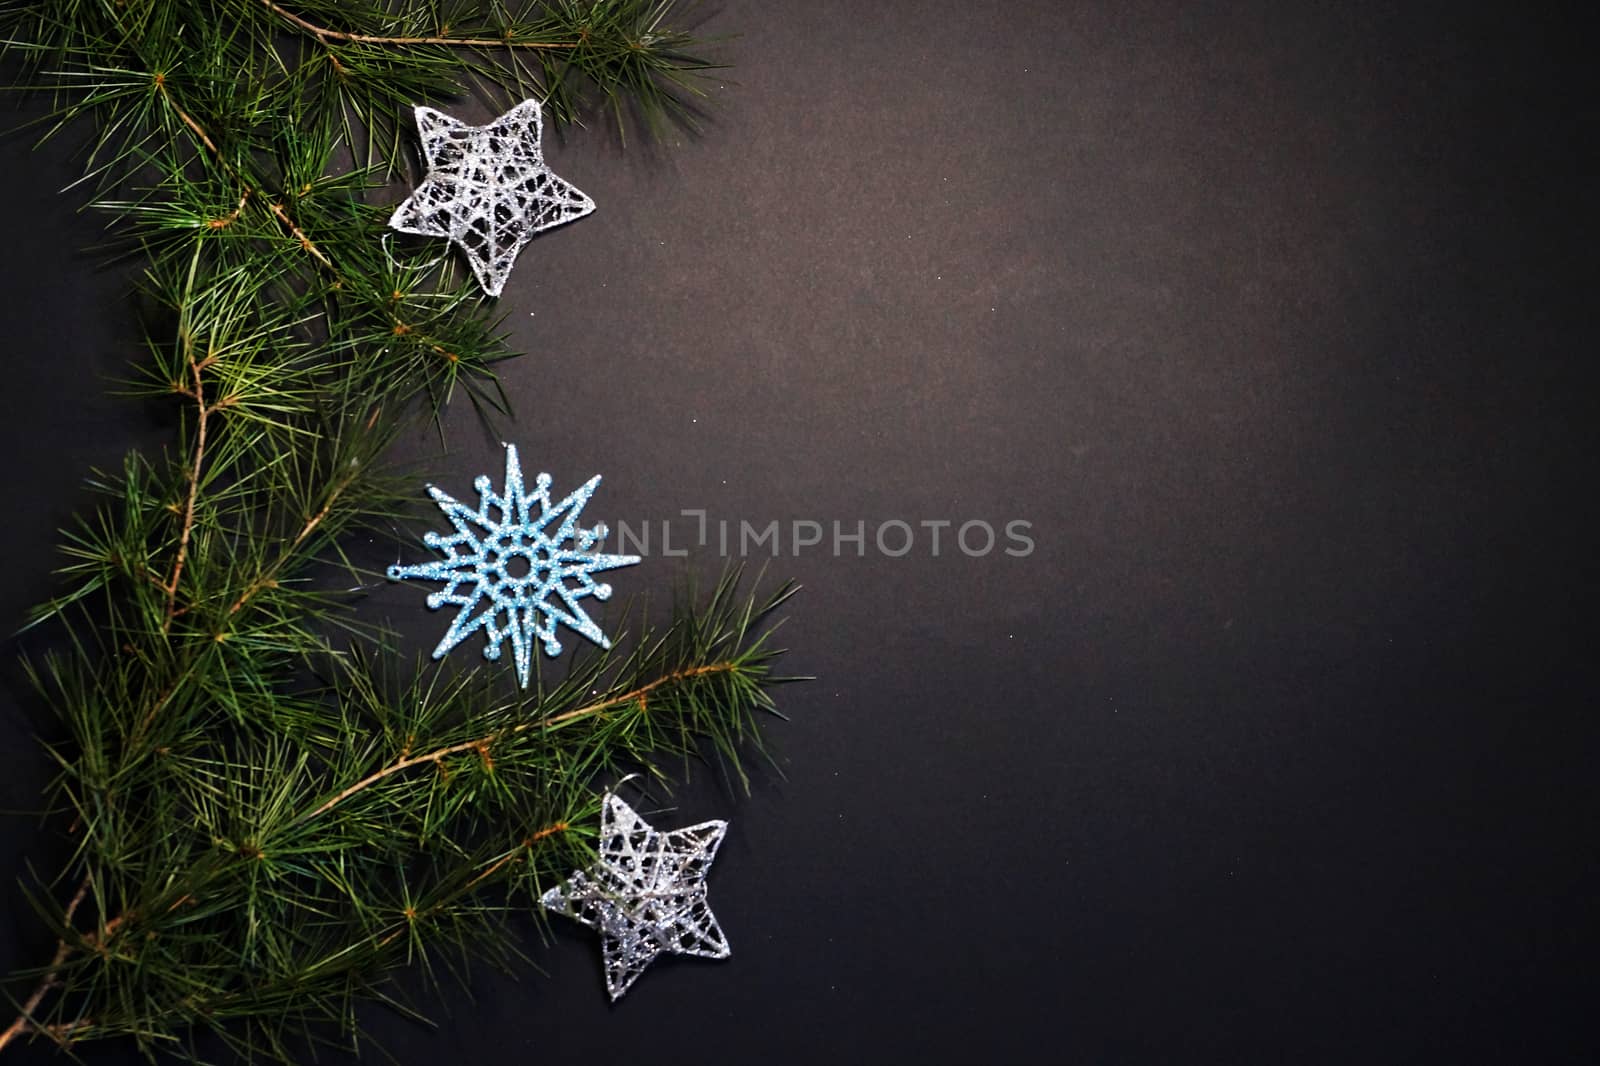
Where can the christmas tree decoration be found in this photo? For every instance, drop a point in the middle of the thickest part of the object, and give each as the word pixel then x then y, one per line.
pixel 488 189
pixel 508 566
pixel 645 894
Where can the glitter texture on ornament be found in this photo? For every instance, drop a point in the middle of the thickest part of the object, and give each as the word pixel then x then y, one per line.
pixel 487 189
pixel 645 894
pixel 516 566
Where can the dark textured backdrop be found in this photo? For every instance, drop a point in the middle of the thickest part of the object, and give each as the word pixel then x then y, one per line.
pixel 1263 316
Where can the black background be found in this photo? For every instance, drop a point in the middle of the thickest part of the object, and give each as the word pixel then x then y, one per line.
pixel 1265 316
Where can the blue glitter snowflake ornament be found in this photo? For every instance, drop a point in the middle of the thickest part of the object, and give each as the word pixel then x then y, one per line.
pixel 516 566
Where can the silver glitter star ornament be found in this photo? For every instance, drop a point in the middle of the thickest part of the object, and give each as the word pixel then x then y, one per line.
pixel 517 565
pixel 645 894
pixel 487 189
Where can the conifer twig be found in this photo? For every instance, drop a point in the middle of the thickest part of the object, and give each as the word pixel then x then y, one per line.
pixel 279 212
pixel 24 1020
pixel 268 577
pixel 322 33
pixel 637 695
pixel 202 417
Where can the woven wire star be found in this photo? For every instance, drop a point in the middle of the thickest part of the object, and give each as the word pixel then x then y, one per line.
pixel 487 189
pixel 645 894
pixel 517 571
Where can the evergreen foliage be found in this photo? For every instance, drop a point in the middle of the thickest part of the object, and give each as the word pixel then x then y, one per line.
pixel 265 823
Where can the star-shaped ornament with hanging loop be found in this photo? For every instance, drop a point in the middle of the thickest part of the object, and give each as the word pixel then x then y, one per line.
pixel 517 566
pixel 645 894
pixel 487 189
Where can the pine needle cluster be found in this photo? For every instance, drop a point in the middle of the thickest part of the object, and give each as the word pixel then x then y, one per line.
pixel 266 823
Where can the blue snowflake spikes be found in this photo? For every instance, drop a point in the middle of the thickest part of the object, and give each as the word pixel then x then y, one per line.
pixel 516 566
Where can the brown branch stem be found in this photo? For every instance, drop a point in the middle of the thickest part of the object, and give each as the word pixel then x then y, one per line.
pixel 325 35
pixel 156 707
pixel 24 1021
pixel 279 212
pixel 197 391
pixel 638 695
pixel 270 575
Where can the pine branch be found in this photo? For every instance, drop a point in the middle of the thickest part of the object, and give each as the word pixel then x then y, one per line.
pixel 196 392
pixel 24 1020
pixel 255 832
pixel 722 675
pixel 639 695
pixel 279 212
pixel 323 34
